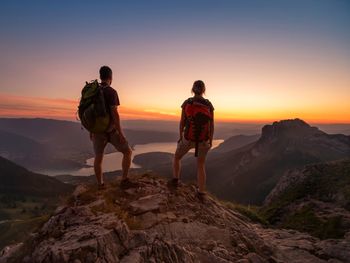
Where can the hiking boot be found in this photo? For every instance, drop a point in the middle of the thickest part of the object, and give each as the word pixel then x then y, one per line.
pixel 126 184
pixel 101 187
pixel 174 182
pixel 202 196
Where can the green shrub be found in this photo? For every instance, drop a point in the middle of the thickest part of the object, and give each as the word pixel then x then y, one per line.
pixel 250 212
pixel 305 220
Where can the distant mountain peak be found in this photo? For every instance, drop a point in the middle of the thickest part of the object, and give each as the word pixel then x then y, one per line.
pixel 291 127
pixel 291 123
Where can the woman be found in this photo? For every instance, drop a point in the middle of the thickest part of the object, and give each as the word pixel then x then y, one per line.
pixel 196 131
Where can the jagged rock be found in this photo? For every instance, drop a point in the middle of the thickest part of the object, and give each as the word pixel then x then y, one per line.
pixel 78 234
pixel 157 224
pixel 147 204
pixel 255 258
pixel 8 251
pixel 318 194
pixel 289 179
pixel 133 257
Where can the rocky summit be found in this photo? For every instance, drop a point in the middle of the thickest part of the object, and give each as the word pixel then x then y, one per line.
pixel 153 222
pixel 289 128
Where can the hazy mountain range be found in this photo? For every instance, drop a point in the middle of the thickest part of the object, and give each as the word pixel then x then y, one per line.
pixel 225 130
pixel 26 200
pixel 16 180
pixel 245 168
pixel 247 174
pixel 41 144
pixel 44 144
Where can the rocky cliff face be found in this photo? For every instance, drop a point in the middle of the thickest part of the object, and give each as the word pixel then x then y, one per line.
pixel 290 128
pixel 152 222
pixel 315 198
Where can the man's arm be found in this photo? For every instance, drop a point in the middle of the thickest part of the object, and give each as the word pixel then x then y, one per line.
pixel 211 131
pixel 182 124
pixel 116 120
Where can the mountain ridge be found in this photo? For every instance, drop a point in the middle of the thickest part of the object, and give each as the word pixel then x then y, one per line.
pixel 282 146
pixel 65 145
pixel 18 180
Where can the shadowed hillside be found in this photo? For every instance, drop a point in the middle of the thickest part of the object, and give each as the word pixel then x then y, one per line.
pixel 315 199
pixel 26 200
pixel 236 142
pixel 16 180
pixel 283 145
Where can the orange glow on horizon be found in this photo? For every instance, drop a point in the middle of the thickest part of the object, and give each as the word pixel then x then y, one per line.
pixel 33 107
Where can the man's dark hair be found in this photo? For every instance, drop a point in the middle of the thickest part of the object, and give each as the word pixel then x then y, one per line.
pixel 105 73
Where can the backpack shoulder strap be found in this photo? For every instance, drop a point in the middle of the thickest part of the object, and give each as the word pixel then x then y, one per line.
pixel 189 101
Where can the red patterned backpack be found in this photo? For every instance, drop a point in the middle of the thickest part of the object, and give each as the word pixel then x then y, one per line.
pixel 198 118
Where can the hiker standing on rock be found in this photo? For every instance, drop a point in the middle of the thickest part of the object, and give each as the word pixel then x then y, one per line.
pixel 196 131
pixel 98 112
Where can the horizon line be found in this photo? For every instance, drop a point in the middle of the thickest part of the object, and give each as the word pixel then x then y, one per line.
pixel 238 121
pixel 14 106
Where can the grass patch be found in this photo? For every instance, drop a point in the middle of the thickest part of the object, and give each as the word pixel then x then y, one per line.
pixel 328 182
pixel 109 196
pixel 250 212
pixel 305 220
pixel 332 228
pixel 17 231
pixel 22 215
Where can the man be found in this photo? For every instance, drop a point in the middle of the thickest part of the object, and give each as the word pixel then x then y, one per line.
pixel 114 133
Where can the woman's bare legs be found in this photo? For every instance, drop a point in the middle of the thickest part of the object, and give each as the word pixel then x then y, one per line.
pixel 201 174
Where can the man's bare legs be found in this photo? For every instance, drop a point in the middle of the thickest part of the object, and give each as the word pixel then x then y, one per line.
pixel 126 162
pixel 201 174
pixel 98 168
pixel 176 167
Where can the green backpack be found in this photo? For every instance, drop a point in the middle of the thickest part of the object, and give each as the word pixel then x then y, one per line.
pixel 92 109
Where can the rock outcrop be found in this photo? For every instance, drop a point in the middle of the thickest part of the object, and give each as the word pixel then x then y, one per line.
pixel 152 222
pixel 315 199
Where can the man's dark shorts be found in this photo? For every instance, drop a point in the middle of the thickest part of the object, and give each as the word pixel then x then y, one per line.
pixel 100 141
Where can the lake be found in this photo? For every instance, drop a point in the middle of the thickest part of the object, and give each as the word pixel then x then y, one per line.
pixel 112 161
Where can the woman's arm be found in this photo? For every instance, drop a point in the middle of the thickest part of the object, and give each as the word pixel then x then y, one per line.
pixel 211 136
pixel 182 124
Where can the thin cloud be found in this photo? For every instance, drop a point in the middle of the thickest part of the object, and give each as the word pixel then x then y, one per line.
pixel 36 107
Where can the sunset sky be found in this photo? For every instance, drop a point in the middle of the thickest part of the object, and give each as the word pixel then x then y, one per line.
pixel 261 60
